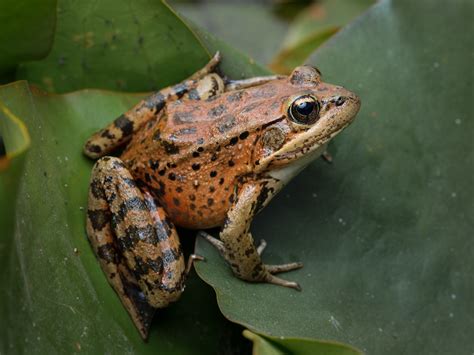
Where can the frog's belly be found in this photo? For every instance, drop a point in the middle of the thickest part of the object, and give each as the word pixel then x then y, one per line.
pixel 192 219
pixel 194 208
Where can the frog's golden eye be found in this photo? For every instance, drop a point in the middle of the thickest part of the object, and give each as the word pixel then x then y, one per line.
pixel 304 110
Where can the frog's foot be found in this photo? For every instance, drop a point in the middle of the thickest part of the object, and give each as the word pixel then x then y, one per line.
pixel 214 241
pixel 271 270
pixel 266 273
pixel 276 269
pixel 272 279
pixel 208 68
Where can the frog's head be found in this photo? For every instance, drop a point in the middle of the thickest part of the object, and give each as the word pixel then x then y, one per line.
pixel 313 114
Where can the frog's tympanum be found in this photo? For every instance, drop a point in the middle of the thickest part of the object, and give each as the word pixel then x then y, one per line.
pixel 207 152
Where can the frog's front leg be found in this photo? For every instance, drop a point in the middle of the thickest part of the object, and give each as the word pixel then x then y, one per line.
pixel 236 244
pixel 137 246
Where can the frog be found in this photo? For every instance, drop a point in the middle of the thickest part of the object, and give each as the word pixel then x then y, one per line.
pixel 208 152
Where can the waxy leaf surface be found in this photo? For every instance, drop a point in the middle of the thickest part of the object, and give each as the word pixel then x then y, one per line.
pixel 27 31
pixel 127 45
pixel 385 232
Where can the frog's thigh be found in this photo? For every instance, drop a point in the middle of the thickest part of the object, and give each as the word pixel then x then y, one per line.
pixel 173 260
pixel 239 249
pixel 137 248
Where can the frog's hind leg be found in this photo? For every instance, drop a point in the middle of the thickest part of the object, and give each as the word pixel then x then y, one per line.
pixel 122 128
pixel 112 262
pixel 137 246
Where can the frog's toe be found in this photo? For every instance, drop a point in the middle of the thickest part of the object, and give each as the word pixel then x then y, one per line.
pixel 191 259
pixel 214 241
pixel 261 247
pixel 272 279
pixel 275 269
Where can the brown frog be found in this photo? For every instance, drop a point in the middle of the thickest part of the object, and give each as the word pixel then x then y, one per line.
pixel 204 153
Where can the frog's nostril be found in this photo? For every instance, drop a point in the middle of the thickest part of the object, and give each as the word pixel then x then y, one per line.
pixel 340 100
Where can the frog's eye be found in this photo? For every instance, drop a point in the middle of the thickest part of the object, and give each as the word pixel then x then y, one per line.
pixel 304 110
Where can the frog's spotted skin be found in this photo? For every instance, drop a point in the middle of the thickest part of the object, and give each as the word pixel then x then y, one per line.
pixel 204 153
pixel 122 128
pixel 137 245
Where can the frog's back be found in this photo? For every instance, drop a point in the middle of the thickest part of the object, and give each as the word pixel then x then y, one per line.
pixel 193 153
pixel 222 118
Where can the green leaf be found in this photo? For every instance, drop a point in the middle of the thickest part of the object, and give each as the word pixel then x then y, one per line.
pixel 321 16
pixel 385 231
pixel 267 345
pixel 127 45
pixel 250 27
pixel 313 27
pixel 27 30
pixel 235 64
pixel 14 142
pixel 291 57
pixel 55 298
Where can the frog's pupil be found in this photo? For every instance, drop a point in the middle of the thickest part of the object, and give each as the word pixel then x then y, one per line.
pixel 305 108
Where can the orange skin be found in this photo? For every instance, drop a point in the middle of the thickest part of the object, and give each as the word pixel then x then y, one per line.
pixel 197 138
pixel 202 154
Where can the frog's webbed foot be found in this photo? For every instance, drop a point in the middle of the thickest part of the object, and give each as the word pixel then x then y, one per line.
pixel 208 68
pixel 276 269
pixel 272 279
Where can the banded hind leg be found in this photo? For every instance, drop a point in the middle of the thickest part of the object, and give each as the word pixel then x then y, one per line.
pixel 119 132
pixel 137 246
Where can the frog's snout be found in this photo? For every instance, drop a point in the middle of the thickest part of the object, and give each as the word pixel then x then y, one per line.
pixel 348 100
pixel 354 100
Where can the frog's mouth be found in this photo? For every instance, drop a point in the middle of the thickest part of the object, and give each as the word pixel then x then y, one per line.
pixel 308 146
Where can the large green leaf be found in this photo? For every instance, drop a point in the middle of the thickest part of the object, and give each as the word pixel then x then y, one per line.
pixel 54 296
pixel 321 16
pixel 27 29
pixel 267 345
pixel 312 27
pixel 250 27
pixel 129 45
pixel 385 232
pixel 14 142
